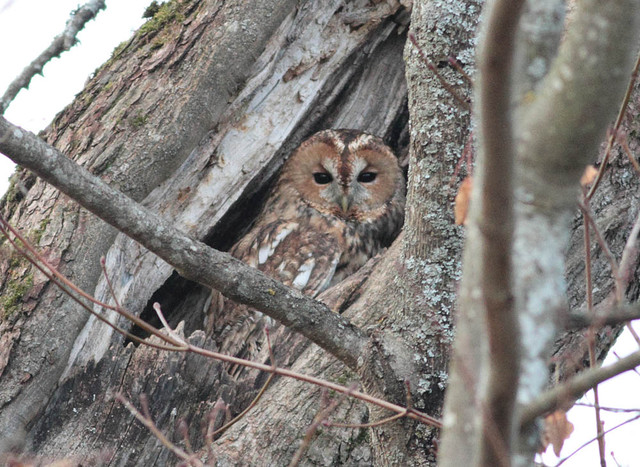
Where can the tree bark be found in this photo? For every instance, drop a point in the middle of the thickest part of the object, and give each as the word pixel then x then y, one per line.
pixel 127 128
pixel 254 89
pixel 193 117
pixel 551 150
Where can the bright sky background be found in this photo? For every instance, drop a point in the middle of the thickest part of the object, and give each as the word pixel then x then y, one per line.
pixel 28 26
pixel 623 391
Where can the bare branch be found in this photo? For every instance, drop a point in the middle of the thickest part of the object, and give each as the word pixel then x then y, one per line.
pixel 145 418
pixel 619 314
pixel 576 387
pixel 192 259
pixel 621 138
pixel 496 224
pixel 600 47
pixel 61 43
pixel 616 128
pixel 593 439
pixel 178 344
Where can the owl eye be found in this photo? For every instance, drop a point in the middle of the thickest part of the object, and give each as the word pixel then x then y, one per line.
pixel 367 177
pixel 322 178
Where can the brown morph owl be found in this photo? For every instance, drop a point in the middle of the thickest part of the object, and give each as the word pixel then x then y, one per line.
pixel 339 201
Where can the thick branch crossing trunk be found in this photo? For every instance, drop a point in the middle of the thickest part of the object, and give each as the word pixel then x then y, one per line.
pixel 192 118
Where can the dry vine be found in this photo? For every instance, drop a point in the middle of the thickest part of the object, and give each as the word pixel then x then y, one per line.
pixel 174 342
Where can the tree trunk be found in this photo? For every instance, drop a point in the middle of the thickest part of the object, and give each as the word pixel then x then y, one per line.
pixel 193 117
pixel 207 105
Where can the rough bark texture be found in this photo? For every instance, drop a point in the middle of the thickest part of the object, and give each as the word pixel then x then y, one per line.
pixel 558 123
pixel 128 128
pixel 246 86
pixel 193 117
pixel 429 257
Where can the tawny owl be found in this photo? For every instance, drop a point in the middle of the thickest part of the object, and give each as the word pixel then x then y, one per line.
pixel 339 200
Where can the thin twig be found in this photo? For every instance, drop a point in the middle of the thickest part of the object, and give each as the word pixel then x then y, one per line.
pixel 622 141
pixel 454 93
pixel 575 387
pixel 146 420
pixel 633 333
pixel 608 409
pixel 591 332
pixel 592 440
pixel 379 422
pixel 170 331
pixel 615 269
pixel 613 456
pixel 635 370
pixel 61 43
pixel 616 128
pixel 453 61
pixel 103 264
pixel 407 385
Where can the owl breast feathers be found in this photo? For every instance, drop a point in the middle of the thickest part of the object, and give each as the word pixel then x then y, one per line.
pixel 338 201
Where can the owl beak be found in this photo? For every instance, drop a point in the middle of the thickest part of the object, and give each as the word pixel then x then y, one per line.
pixel 344 203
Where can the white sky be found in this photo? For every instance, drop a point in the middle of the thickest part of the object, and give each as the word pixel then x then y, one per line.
pixel 623 391
pixel 28 26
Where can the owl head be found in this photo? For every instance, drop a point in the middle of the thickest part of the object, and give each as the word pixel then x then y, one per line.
pixel 345 173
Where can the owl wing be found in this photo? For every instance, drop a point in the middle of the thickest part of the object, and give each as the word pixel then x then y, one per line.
pixel 300 254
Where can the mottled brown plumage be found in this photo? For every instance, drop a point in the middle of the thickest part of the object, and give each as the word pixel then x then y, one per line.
pixel 339 201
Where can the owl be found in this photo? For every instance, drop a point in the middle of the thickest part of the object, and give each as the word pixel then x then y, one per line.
pixel 339 200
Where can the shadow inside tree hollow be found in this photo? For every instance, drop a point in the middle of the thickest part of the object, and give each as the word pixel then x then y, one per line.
pixel 184 300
